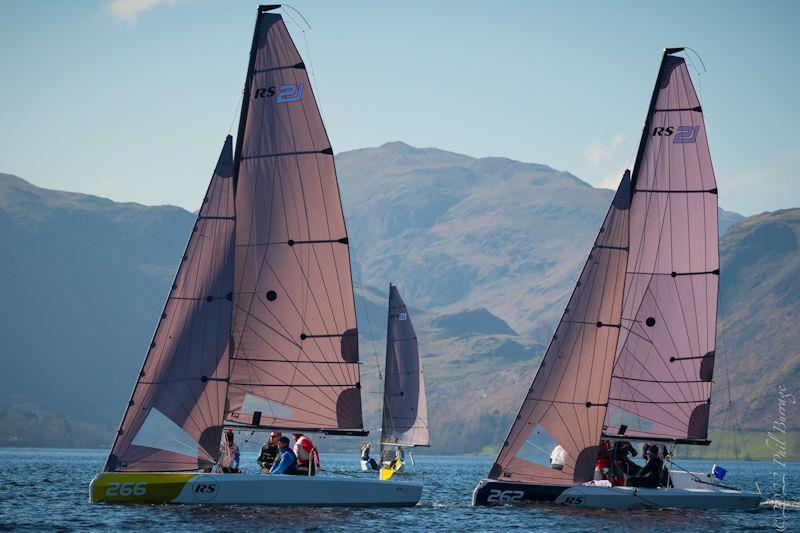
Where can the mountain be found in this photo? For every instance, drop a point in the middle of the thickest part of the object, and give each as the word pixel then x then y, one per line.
pixel 82 280
pixel 759 335
pixel 727 219
pixel 484 251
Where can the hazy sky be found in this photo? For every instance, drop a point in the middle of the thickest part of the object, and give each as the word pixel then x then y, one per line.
pixel 131 99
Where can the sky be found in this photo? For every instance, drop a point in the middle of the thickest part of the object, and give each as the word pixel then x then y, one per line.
pixel 132 99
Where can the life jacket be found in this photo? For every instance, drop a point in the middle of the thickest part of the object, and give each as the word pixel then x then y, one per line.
pixel 302 449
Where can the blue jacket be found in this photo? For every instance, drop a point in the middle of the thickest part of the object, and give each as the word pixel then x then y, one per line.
pixel 286 463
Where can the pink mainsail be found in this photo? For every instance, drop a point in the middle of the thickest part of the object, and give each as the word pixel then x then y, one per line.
pixel 405 411
pixel 633 355
pixel 661 385
pixel 295 362
pixel 174 417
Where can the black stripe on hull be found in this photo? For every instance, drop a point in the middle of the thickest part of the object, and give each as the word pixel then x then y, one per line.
pixel 491 492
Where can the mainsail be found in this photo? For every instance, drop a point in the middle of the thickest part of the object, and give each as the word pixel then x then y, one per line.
pixel 633 354
pixel 174 417
pixel 259 329
pixel 294 360
pixel 661 385
pixel 405 411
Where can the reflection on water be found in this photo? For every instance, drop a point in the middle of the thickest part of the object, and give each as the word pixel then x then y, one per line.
pixel 47 489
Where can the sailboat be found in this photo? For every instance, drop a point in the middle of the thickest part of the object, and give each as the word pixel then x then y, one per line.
pixel 259 328
pixel 632 358
pixel 404 423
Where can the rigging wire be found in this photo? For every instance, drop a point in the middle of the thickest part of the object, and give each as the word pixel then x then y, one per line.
pixel 310 69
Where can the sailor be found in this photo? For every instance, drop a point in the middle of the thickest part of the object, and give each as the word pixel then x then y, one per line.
pixel 650 475
pixel 623 466
pixel 369 461
pixel 306 454
pixel 602 467
pixel 286 462
pixel 269 452
pixel 399 455
pixel 229 453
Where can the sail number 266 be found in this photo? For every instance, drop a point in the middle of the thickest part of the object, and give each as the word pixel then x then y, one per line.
pixel 127 489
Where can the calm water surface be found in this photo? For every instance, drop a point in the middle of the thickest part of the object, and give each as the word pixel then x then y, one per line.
pixel 48 489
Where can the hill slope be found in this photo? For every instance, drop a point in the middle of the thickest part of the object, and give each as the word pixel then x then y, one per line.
pixel 485 251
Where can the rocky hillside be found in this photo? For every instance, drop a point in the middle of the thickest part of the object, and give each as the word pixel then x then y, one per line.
pixel 759 336
pixel 484 251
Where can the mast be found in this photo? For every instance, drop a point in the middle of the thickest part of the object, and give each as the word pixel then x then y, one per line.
pixel 649 118
pixel 384 405
pixel 237 156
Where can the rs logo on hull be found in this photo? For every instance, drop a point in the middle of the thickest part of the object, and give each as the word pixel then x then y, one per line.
pixel 290 92
pixel 683 135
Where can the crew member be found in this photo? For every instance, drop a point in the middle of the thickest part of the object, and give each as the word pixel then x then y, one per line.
pixel 269 452
pixel 649 476
pixel 306 454
pixel 370 462
pixel 229 453
pixel 623 466
pixel 286 462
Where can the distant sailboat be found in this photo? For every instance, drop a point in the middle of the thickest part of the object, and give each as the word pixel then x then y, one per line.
pixel 405 411
pixel 259 328
pixel 633 356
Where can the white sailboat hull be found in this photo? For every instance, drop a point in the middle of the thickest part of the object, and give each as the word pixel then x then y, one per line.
pixel 689 491
pixel 251 489
pixel 626 497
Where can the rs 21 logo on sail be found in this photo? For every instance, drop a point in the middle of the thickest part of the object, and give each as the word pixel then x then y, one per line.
pixel 290 92
pixel 683 135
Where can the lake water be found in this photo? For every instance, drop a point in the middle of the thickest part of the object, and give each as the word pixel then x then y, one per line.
pixel 48 489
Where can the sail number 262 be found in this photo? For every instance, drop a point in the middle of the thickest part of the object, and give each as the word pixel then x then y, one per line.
pixel 127 489
pixel 504 496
